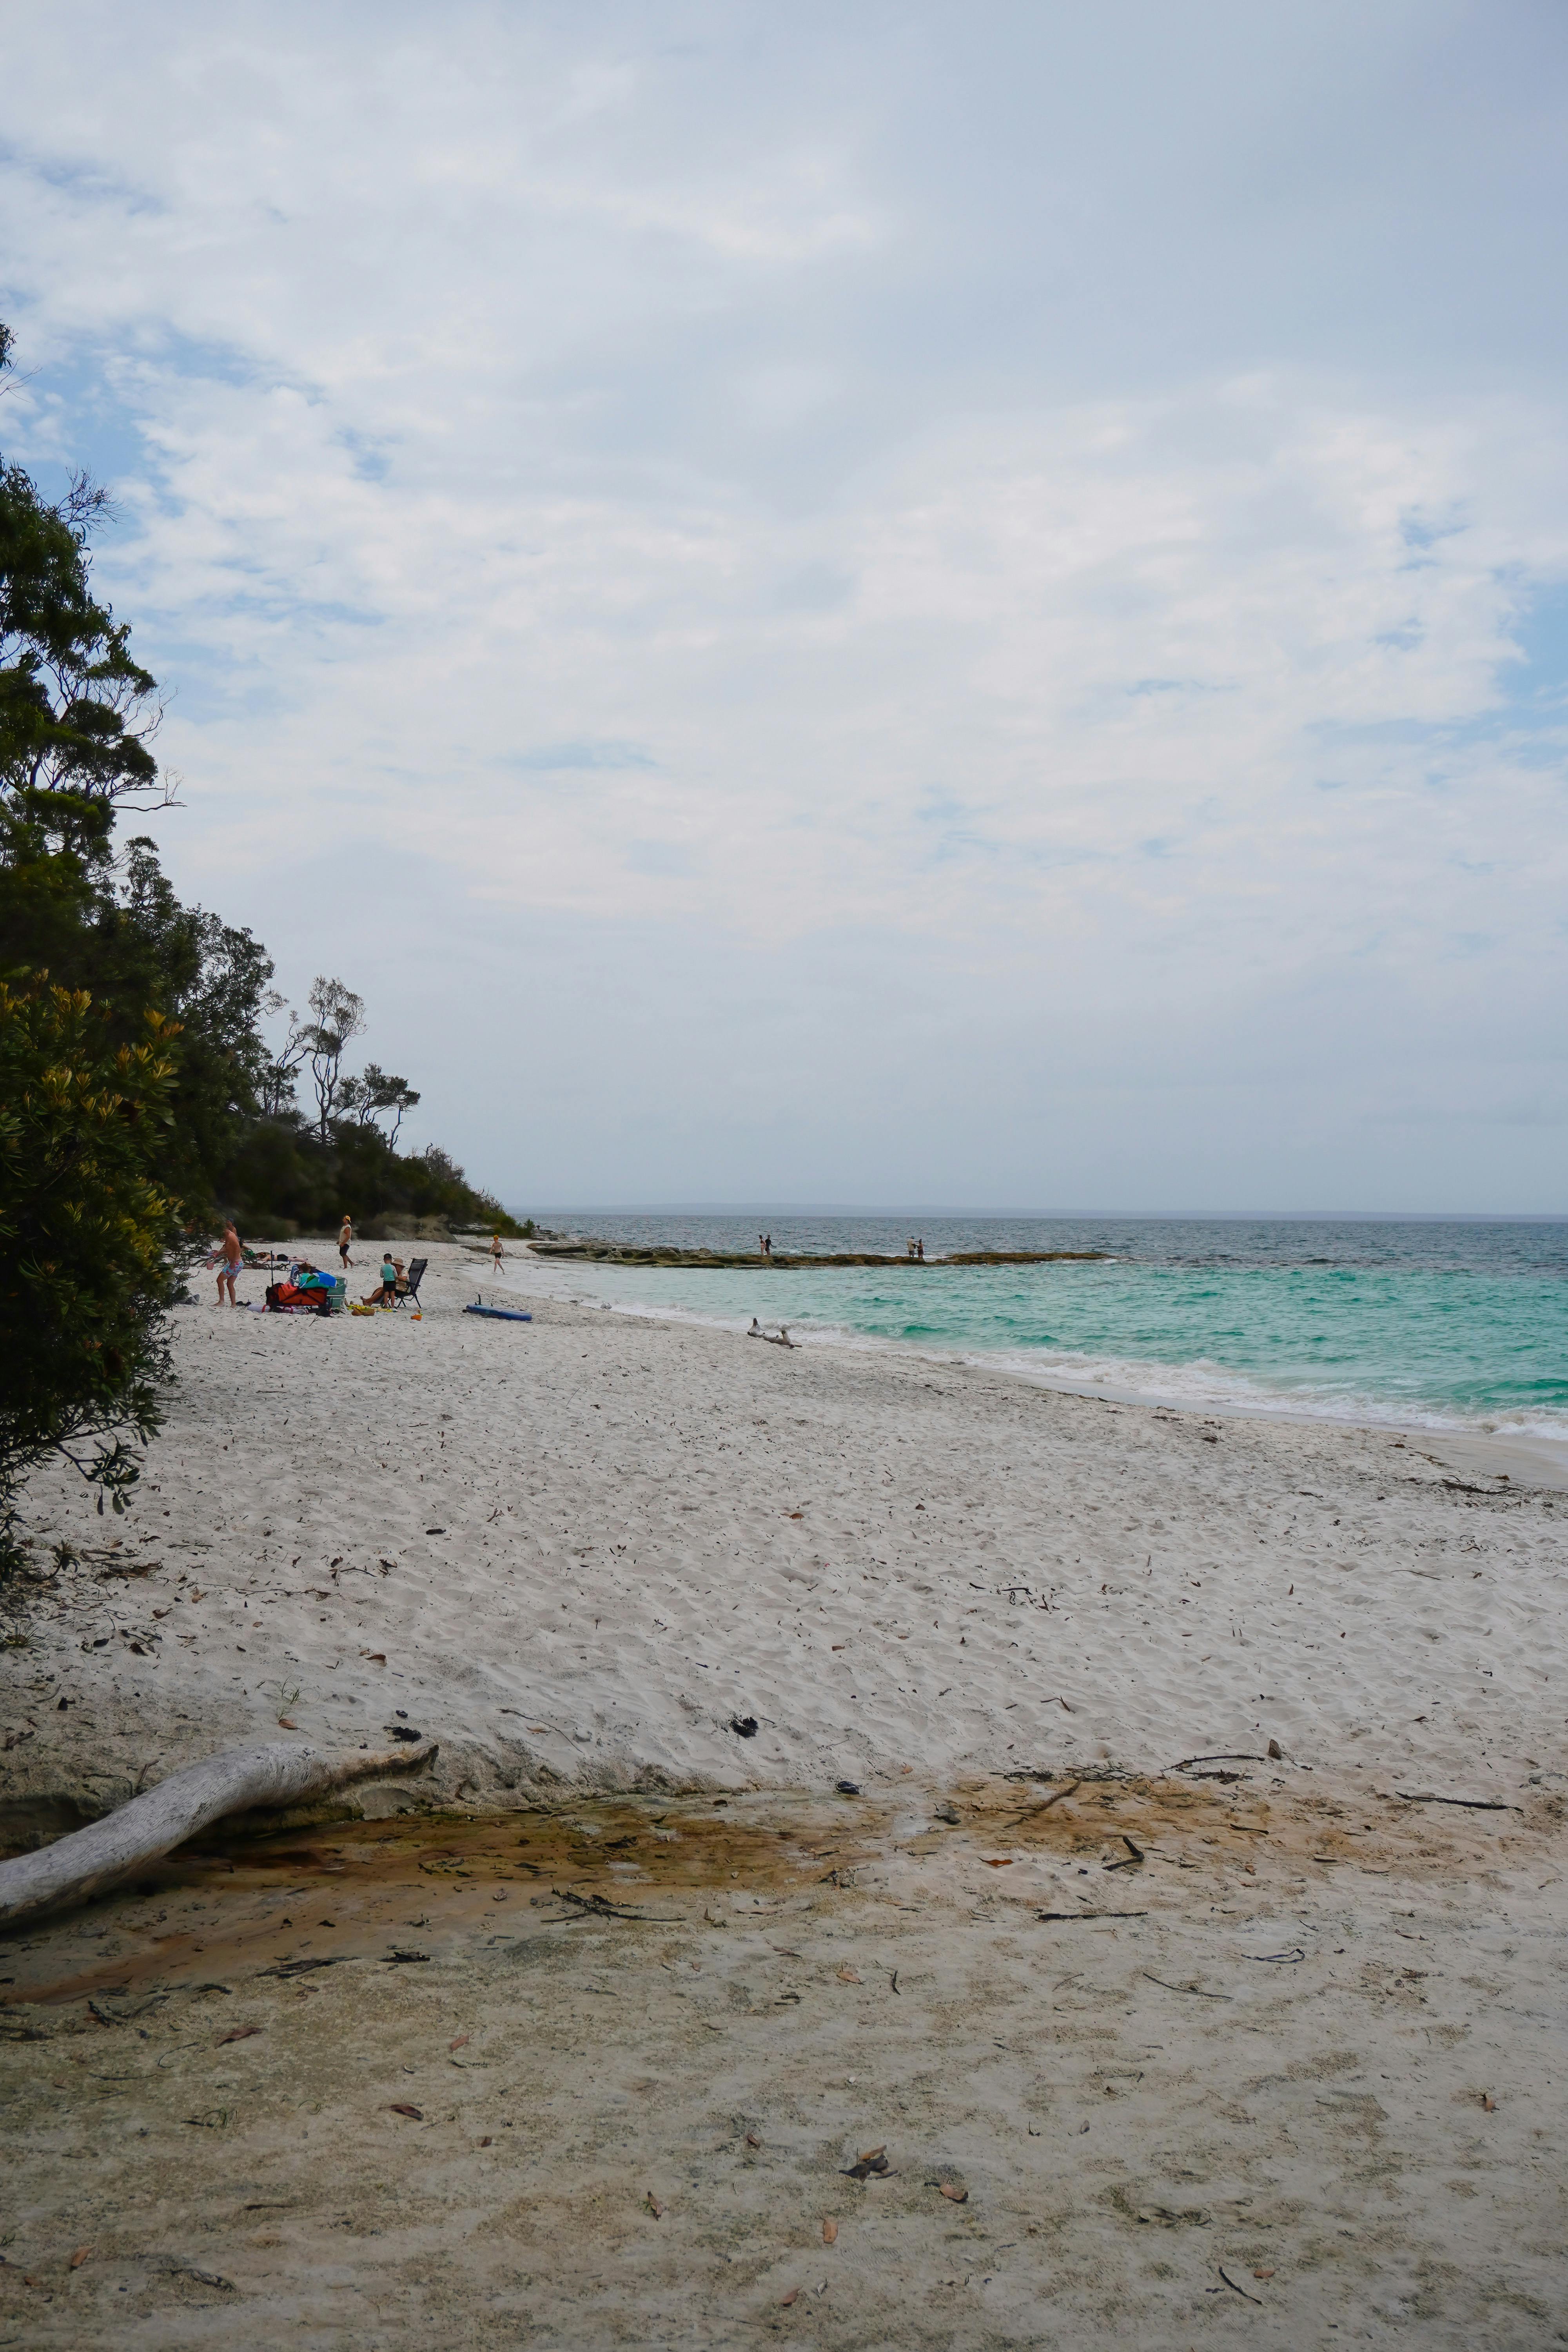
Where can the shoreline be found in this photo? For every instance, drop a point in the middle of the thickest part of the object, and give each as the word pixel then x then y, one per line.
pixel 1519 1453
pixel 580 1551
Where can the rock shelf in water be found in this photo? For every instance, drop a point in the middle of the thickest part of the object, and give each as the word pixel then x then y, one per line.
pixel 626 1253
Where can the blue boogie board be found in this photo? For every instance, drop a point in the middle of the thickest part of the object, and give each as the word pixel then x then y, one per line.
pixel 499 1314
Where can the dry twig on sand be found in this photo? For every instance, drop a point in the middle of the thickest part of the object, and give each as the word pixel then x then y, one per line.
pixel 1072 1916
pixel 1046 1803
pixel 1470 1805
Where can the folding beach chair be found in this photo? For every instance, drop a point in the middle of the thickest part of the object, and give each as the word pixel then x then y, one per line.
pixel 410 1297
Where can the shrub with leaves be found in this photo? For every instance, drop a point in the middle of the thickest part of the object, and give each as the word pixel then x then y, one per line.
pixel 87 1237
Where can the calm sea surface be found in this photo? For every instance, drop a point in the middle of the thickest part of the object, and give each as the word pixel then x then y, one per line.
pixel 1452 1325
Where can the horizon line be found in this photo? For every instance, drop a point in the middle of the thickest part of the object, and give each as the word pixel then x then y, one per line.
pixel 903 1213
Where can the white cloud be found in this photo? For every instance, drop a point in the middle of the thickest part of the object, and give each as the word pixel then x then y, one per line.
pixel 708 505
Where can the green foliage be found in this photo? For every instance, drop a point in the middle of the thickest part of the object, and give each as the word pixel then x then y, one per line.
pixel 117 930
pixel 87 1233
pixel 75 711
pixel 338 1018
pixel 212 978
pixel 282 1179
pixel 76 714
pixel 378 1095
pixel 136 1090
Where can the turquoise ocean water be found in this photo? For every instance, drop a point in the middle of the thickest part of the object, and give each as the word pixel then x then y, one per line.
pixel 1447 1325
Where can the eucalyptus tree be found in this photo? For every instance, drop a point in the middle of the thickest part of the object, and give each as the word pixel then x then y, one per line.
pixel 369 1099
pixel 338 1018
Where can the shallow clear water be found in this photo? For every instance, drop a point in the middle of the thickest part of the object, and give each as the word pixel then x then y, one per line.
pixel 1450 1324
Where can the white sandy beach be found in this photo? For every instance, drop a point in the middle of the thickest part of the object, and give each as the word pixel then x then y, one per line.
pixel 576 1552
pixel 581 1546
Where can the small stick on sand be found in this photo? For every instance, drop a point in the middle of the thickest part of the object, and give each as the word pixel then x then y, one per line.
pixel 1470 1805
pixel 1071 1916
pixel 1046 1803
pixel 595 1906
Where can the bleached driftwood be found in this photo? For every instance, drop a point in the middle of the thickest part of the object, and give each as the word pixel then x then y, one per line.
pixel 126 1841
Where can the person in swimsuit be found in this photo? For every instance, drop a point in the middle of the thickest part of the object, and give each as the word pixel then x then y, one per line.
pixel 497 1252
pixel 345 1235
pixel 230 1264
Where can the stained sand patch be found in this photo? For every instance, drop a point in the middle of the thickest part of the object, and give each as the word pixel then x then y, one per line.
pixel 307 1898
pixel 608 2073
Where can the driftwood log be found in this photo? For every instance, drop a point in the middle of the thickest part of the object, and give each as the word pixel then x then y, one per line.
pixel 93 1859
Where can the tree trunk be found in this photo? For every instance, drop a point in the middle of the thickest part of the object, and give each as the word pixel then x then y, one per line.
pixel 89 1861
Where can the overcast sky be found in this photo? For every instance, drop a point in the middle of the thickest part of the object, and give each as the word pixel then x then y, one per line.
pixel 886 603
